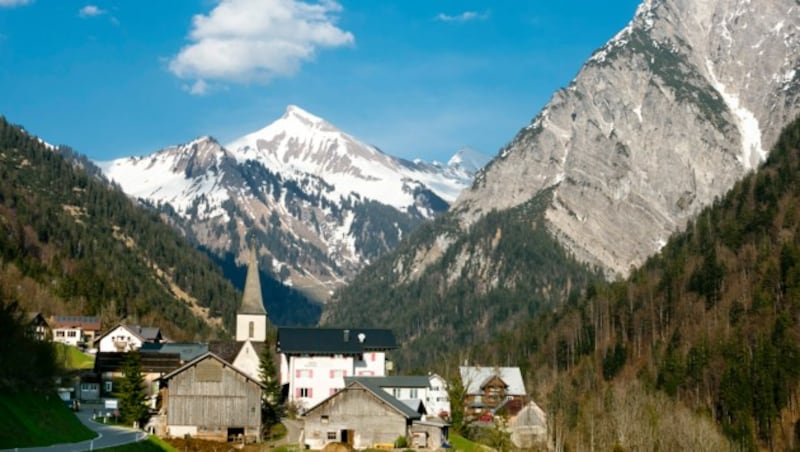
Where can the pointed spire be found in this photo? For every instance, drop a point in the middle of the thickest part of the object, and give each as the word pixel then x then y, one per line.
pixel 252 303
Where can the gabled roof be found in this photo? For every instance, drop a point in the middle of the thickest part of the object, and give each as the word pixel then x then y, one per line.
pixel 187 350
pixel 378 393
pixel 252 302
pixel 227 350
pixel 91 323
pixel 209 355
pixel 474 378
pixel 396 381
pixel 144 334
pixel 36 317
pixel 151 362
pixel 334 340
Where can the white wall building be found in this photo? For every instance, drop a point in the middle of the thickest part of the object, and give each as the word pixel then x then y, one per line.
pixel 315 361
pixel 124 338
pixel 437 401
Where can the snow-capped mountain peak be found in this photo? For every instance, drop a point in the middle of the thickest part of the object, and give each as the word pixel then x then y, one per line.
pixel 320 201
pixel 468 160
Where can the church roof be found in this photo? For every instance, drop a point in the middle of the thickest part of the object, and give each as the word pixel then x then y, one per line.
pixel 252 302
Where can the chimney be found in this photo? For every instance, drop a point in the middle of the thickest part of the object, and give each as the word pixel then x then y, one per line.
pixel 347 335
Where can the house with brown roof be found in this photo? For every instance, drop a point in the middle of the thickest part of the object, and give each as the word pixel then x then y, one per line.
pixel 75 330
pixel 108 365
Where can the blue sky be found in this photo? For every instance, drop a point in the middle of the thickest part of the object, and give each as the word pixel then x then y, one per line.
pixel 417 78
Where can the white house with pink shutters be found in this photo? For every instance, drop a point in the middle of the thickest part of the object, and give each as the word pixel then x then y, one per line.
pixel 315 361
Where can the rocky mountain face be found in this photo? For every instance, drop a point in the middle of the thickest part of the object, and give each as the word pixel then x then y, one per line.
pixel 320 202
pixel 660 121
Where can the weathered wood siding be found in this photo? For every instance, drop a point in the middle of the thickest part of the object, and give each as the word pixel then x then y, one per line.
pixel 213 397
pixel 371 420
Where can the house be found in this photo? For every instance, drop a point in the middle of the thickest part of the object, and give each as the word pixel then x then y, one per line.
pixel 437 401
pixel 413 391
pixel 108 365
pixel 315 361
pixel 529 427
pixel 492 388
pixel 38 328
pixel 211 399
pixel 124 338
pixel 75 330
pixel 360 415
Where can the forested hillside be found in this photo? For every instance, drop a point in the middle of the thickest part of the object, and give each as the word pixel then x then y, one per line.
pixel 69 244
pixel 461 302
pixel 713 322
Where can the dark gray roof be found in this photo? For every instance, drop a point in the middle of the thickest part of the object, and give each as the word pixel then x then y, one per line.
pixel 85 322
pixel 151 362
pixel 395 381
pixel 149 333
pixel 334 340
pixel 187 350
pixel 387 398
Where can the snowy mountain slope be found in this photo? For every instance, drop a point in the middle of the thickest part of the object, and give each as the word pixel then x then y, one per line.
pixel 301 143
pixel 321 203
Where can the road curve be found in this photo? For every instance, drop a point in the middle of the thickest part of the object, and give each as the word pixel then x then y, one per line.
pixel 107 436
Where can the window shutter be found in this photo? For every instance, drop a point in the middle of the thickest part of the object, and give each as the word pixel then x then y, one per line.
pixel 296 374
pixel 296 393
pixel 310 392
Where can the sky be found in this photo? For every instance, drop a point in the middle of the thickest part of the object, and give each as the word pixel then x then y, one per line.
pixel 415 78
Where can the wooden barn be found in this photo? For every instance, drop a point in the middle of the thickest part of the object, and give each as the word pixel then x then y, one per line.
pixel 209 398
pixel 361 415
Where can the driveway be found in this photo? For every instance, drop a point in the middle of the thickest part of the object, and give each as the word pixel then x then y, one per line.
pixel 107 435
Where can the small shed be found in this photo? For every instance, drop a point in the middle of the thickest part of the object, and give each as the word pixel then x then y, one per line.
pixel 211 399
pixel 359 415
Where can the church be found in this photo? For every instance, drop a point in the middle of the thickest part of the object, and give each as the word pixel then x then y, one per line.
pixel 252 327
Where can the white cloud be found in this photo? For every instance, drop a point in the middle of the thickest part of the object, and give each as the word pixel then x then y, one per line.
pixel 256 40
pixel 91 11
pixel 466 16
pixel 198 88
pixel 12 3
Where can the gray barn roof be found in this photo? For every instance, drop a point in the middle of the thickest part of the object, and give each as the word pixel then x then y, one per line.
pixel 187 350
pixel 395 381
pixel 334 340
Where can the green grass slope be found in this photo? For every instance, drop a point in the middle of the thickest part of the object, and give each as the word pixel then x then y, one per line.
pixel 33 419
pixel 70 358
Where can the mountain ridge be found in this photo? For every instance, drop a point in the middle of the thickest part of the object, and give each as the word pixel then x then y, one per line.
pixel 322 202
pixel 637 144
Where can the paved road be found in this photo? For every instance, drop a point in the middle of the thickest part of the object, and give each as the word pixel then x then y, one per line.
pixel 107 436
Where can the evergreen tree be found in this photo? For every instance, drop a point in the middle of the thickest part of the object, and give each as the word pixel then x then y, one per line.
pixel 131 393
pixel 271 405
pixel 457 393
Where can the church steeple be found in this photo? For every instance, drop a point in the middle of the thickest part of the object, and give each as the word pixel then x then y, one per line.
pixel 252 302
pixel 251 318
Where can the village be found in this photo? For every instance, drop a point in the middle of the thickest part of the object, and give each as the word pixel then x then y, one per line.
pixel 338 383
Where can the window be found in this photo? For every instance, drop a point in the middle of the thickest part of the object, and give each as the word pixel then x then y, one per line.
pixel 396 392
pixel 72 333
pixel 413 392
pixel 335 390
pixel 251 329
pixel 305 392
pixel 301 373
pixel 324 419
pixel 332 435
pixel 109 386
